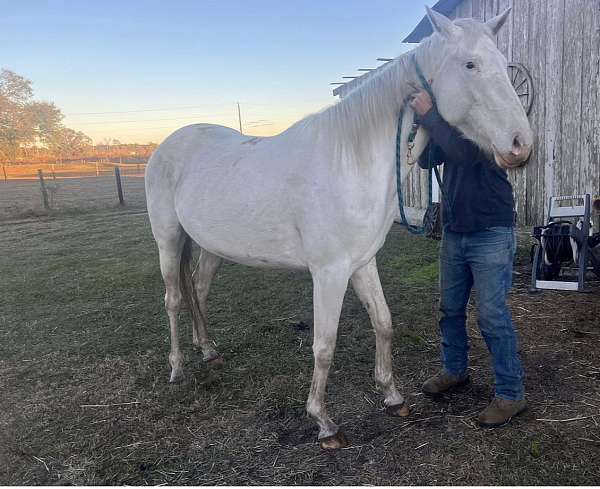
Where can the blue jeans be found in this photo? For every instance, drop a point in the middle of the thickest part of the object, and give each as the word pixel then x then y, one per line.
pixel 483 261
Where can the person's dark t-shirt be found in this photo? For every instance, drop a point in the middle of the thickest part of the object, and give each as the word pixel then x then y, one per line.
pixel 476 192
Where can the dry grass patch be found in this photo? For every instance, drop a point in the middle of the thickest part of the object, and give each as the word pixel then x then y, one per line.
pixel 83 372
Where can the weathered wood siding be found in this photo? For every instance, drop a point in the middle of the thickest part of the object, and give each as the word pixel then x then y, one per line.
pixel 558 41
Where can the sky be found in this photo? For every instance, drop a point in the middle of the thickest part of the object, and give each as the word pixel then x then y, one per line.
pixel 136 70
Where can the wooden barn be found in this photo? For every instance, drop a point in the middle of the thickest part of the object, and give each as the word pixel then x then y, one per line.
pixel 553 49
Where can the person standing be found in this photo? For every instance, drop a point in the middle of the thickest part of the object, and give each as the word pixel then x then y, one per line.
pixel 477 252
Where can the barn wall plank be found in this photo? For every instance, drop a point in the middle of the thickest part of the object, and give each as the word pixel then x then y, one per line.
pixel 567 170
pixel 535 61
pixel 491 9
pixel 423 189
pixel 596 127
pixel 589 169
pixel 504 35
pixel 477 9
pixel 465 9
pixel 520 53
pixel 510 25
pixel 553 97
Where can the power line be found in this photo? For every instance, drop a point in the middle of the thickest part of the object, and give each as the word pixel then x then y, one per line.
pixel 138 110
pixel 186 107
pixel 150 120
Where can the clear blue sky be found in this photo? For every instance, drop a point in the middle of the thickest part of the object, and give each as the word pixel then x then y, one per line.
pixel 195 58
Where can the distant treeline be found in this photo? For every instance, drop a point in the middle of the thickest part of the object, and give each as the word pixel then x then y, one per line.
pixel 32 131
pixel 117 153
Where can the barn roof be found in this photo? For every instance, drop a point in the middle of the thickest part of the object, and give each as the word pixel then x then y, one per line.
pixel 424 28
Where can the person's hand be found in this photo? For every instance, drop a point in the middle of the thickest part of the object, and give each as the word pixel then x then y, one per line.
pixel 421 102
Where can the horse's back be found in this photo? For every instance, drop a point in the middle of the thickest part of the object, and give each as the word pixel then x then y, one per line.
pixel 184 145
pixel 228 192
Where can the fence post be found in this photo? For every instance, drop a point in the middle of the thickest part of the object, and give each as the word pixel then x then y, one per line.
pixel 119 187
pixel 4 170
pixel 44 191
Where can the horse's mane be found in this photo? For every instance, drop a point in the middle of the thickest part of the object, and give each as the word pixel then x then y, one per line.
pixel 351 123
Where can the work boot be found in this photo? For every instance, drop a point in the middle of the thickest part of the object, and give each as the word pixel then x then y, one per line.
pixel 442 382
pixel 500 411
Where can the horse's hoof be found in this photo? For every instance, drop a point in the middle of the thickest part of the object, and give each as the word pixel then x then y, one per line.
pixel 334 442
pixel 398 411
pixel 215 362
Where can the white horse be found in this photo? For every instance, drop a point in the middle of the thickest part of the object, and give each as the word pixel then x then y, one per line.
pixel 322 195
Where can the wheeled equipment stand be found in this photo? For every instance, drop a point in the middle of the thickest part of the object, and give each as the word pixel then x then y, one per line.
pixel 565 241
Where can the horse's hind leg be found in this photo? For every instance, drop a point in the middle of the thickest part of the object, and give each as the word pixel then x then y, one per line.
pixel 367 286
pixel 205 271
pixel 170 248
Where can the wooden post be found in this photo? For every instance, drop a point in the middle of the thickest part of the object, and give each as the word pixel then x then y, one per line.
pixel 119 187
pixel 44 191
pixel 4 170
pixel 97 169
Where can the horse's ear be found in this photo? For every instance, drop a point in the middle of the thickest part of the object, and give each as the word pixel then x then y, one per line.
pixel 442 24
pixel 497 22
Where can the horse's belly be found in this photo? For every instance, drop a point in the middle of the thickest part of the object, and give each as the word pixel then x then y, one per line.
pixel 264 253
pixel 244 235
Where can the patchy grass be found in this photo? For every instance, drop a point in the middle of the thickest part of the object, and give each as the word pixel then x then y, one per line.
pixel 22 199
pixel 84 370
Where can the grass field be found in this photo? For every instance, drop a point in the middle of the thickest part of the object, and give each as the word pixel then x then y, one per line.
pixel 84 370
pixel 22 198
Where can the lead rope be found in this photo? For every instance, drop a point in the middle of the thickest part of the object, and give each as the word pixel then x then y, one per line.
pixel 429 217
pixel 418 230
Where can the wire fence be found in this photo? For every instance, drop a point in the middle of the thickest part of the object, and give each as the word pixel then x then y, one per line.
pixel 78 169
pixel 43 189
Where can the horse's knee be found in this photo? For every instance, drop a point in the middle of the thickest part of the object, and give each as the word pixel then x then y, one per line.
pixel 173 300
pixel 323 355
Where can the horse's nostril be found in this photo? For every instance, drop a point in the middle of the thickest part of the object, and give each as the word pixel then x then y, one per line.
pixel 517 147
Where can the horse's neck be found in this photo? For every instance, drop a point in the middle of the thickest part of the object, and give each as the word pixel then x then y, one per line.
pixel 361 129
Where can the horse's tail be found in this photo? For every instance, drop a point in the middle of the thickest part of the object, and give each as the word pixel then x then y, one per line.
pixel 186 281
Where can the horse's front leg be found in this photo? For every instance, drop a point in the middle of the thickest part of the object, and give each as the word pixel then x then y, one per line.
pixel 329 287
pixel 368 288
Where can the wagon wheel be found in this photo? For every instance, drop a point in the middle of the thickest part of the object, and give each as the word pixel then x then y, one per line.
pixel 522 83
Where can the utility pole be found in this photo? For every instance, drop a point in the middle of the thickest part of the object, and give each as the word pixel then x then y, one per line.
pixel 240 117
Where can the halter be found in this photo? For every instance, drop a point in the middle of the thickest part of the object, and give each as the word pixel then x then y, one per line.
pixel 422 79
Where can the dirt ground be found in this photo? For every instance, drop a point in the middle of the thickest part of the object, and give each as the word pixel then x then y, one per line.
pixel 84 370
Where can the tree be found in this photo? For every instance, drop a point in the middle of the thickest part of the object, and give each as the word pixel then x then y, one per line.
pixel 26 123
pixel 15 118
pixel 15 87
pixel 66 142
pixel 46 120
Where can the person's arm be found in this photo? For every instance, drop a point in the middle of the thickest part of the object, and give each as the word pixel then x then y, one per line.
pixel 451 142
pixel 427 160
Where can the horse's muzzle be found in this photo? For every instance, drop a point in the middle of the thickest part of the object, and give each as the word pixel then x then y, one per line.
pixel 518 155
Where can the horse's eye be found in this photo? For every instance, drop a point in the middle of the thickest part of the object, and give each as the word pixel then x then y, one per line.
pixel 470 65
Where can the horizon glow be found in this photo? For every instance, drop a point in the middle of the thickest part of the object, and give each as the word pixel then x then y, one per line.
pixel 137 70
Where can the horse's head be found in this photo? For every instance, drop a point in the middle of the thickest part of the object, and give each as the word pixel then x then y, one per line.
pixel 472 88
